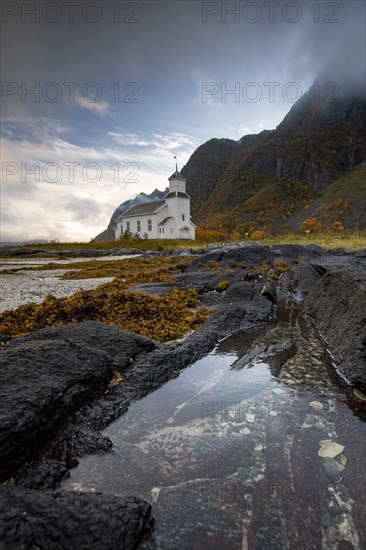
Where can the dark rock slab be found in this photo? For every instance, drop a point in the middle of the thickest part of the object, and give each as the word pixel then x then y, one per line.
pixel 269 292
pixel 253 253
pixel 294 251
pixel 338 306
pixel 71 520
pixel 239 292
pixel 219 526
pixel 41 474
pixel 202 282
pixel 43 384
pixel 274 348
pixel 122 346
pixel 156 289
pixel 210 299
pixel 296 283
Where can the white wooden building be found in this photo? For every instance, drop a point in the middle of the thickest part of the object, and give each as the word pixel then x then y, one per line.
pixel 169 218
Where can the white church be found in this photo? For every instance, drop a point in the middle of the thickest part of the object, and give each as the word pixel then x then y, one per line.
pixel 169 218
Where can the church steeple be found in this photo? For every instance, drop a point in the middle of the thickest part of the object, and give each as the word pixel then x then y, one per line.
pixel 176 175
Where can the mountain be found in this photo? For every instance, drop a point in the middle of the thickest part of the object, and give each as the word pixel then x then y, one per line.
pixel 108 234
pixel 276 179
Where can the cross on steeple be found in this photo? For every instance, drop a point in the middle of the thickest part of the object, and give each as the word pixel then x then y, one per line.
pixel 176 165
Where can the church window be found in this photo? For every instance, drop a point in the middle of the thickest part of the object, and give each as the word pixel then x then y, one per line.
pixel 149 225
pixel 183 217
pixel 138 226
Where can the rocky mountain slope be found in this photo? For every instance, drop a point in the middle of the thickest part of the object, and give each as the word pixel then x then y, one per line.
pixel 282 177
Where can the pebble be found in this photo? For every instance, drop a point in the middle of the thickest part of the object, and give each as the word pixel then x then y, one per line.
pixel 345 529
pixel 333 469
pixel 331 534
pixel 319 426
pixel 330 449
pixel 278 391
pixel 316 405
pixel 358 393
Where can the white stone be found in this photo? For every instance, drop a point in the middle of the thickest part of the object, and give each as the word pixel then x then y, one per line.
pixel 316 405
pixel 155 493
pixel 330 449
pixel 278 391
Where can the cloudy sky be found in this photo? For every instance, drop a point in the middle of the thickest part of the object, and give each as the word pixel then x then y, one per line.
pixel 99 96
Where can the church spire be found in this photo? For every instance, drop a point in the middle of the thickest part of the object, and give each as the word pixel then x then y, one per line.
pixel 176 175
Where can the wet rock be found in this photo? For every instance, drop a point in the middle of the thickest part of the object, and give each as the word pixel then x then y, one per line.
pixel 210 299
pixel 122 346
pixel 333 469
pixel 239 292
pixel 269 291
pixel 319 426
pixel 338 305
pixel 62 520
pixel 155 289
pixel 296 283
pixel 203 500
pixel 297 251
pixel 275 347
pixel 202 282
pixel 80 442
pixel 42 474
pixel 345 545
pixel 253 253
pixel 43 384
pixel 331 534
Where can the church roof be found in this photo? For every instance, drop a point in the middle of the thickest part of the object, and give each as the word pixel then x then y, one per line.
pixel 177 194
pixel 144 208
pixel 177 176
pixel 165 220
